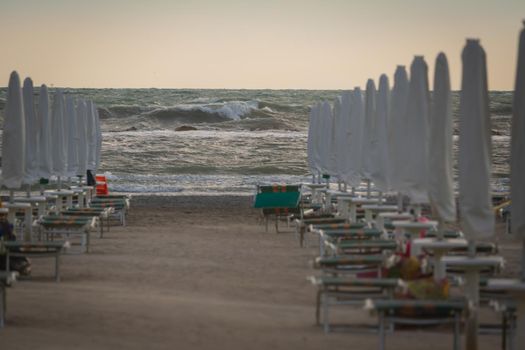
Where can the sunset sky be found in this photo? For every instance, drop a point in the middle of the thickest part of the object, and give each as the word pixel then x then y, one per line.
pixel 330 44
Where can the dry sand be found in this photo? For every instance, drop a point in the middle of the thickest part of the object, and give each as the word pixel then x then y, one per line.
pixel 188 273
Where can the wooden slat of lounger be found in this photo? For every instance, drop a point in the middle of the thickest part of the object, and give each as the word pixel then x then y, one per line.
pixel 367 244
pixel 346 281
pixel 415 306
pixel 37 247
pixel 64 220
pixel 345 260
pixel 350 234
pixel 338 226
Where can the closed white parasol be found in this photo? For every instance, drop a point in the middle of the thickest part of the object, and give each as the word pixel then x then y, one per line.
pixel 379 151
pixel 440 180
pixel 45 162
pixel 72 137
pixel 413 169
pixel 32 131
pixel 13 137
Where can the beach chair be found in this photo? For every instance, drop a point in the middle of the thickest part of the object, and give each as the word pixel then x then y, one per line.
pixel 120 205
pixel 345 290
pixel 101 215
pixel 278 201
pixel 6 279
pixel 360 246
pixel 302 224
pixel 417 312
pixel 67 227
pixel 36 250
pixel 331 236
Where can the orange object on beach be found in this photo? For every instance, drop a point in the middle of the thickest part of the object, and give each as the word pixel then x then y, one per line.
pixel 102 185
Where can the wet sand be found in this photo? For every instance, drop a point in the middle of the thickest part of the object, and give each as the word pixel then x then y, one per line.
pixel 191 273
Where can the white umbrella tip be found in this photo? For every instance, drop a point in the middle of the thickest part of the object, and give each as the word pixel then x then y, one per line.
pixel 14 75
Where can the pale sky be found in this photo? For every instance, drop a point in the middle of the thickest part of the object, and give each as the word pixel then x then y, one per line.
pixel 330 44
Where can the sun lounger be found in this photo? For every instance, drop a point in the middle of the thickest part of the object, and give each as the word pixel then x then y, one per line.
pixel 360 246
pixel 57 226
pixel 36 250
pixel 120 206
pixel 302 224
pixel 6 278
pixel 417 313
pixel 100 213
pixel 345 290
pixel 279 201
pixel 348 234
pixel 337 226
pixel 350 264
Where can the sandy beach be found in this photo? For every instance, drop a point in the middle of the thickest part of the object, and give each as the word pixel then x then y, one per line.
pixel 190 273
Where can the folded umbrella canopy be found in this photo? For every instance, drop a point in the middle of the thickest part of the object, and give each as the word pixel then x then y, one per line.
pixel 342 146
pixel 379 151
pixel 327 138
pixel 336 121
pixel 58 146
pixel 517 157
pixel 32 131
pixel 397 129
pixel 81 112
pixel 73 138
pixel 13 137
pixel 310 143
pixel 474 163
pixel 357 115
pixel 368 130
pixel 91 137
pixel 44 156
pixel 440 180
pixel 413 169
pixel 98 131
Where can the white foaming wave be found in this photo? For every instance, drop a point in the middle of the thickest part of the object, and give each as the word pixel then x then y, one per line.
pixel 233 110
pixel 208 134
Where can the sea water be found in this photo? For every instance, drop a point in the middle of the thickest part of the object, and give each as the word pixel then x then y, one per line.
pixel 236 138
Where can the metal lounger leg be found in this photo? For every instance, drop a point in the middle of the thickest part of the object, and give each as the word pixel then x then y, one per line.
pixel 326 319
pixel 3 303
pixel 7 261
pixel 57 265
pixel 457 334
pixel 382 334
pixel 318 307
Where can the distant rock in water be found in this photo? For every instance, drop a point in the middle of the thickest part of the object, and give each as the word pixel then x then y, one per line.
pixel 133 128
pixel 185 128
